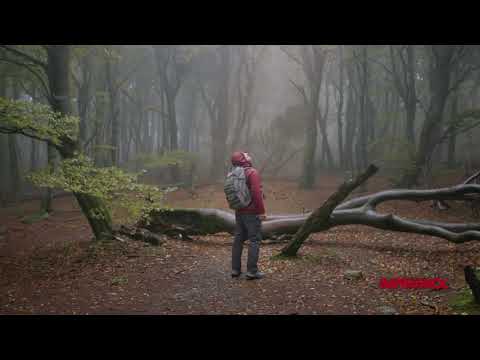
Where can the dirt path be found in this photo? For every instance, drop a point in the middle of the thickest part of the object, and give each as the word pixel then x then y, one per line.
pixel 51 267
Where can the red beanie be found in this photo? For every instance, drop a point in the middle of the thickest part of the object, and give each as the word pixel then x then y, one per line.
pixel 241 158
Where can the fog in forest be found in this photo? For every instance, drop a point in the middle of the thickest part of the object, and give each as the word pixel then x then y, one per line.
pixel 122 189
pixel 300 111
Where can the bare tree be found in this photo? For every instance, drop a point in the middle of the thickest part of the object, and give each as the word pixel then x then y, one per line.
pixel 312 60
pixel 214 82
pixel 250 57
pixel 442 62
pixel 339 96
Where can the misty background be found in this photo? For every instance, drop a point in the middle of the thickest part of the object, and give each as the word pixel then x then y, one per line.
pixel 300 110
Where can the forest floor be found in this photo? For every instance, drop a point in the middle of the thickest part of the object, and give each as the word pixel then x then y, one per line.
pixel 52 267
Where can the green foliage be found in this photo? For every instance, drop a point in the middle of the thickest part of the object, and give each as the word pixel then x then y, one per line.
pixel 36 120
pixel 111 185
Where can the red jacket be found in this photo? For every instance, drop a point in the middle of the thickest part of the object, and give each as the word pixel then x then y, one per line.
pixel 254 185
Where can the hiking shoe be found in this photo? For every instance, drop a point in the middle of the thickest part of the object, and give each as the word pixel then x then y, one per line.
pixel 236 274
pixel 257 275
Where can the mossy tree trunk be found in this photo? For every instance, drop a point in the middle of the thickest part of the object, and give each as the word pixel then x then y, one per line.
pixel 58 71
pixel 97 214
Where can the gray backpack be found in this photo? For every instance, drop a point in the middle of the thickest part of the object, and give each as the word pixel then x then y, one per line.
pixel 236 189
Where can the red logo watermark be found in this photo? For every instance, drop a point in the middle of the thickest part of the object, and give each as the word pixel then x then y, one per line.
pixel 405 283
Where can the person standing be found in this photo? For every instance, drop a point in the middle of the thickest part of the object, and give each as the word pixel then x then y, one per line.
pixel 246 198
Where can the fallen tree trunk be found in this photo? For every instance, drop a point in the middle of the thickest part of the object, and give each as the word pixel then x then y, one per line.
pixel 320 218
pixel 359 211
pixel 443 205
pixel 204 221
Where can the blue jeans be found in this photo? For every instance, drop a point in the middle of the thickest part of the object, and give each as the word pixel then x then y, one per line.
pixel 248 226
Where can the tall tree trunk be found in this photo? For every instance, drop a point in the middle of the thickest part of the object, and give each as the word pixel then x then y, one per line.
pixel 47 199
pixel 308 174
pixel 173 132
pixel 411 97
pixel 439 82
pixel 33 155
pixel 15 180
pixel 313 69
pixel 404 82
pixel 452 140
pixel 123 150
pixel 350 120
pixel 409 125
pixel 341 161
pixel 84 95
pixel 4 155
pixel 322 124
pixel 3 167
pixel 172 120
pixel 396 133
pixel 100 124
pixel 111 71
pixel 326 146
pixel 165 139
pixel 189 120
pixel 246 99
pixel 363 125
pixel 364 135
pixel 58 76
pixel 15 177
pixel 219 130
pixel 371 119
pixel 147 134
pixel 161 138
pixel 33 143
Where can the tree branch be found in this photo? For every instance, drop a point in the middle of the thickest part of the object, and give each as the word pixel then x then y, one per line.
pixel 37 75
pixel 5 130
pixel 291 56
pixel 300 89
pixel 25 56
pixel 360 211
pixel 320 218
